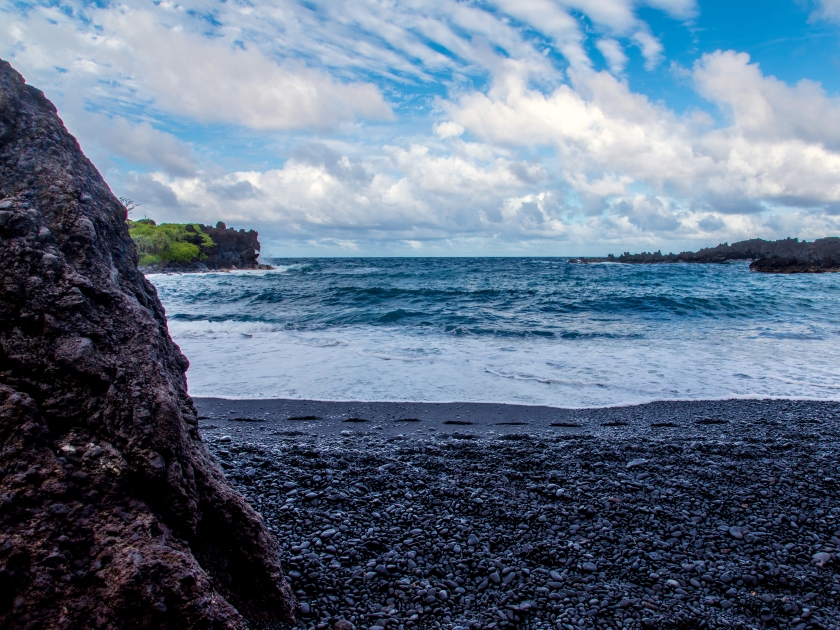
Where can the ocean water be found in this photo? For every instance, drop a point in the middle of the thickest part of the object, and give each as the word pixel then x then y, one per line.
pixel 516 330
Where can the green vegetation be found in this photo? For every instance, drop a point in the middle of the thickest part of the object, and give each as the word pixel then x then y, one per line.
pixel 168 242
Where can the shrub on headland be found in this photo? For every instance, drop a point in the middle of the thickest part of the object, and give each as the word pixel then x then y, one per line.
pixel 168 242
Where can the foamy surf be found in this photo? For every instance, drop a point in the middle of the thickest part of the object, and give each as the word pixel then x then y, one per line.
pixel 517 331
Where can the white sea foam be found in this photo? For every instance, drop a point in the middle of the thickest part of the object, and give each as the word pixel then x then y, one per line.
pixel 156 277
pixel 287 268
pixel 506 331
pixel 390 364
pixel 199 329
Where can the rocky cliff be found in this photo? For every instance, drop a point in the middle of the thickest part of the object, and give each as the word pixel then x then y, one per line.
pixel 181 247
pixel 112 512
pixel 233 250
pixel 783 256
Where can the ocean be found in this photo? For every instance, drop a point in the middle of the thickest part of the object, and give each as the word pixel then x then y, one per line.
pixel 514 330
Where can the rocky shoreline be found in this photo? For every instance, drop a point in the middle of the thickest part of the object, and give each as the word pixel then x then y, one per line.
pixel 718 514
pixel 196 268
pixel 785 256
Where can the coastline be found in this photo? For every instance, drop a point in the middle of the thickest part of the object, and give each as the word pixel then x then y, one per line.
pixel 662 515
pixel 195 268
pixel 785 256
pixel 483 419
pixel 443 331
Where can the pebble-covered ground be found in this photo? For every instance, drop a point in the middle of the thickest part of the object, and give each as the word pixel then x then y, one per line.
pixel 670 515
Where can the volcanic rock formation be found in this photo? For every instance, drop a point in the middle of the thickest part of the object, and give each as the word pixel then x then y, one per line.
pixel 234 249
pixel 227 249
pixel 788 255
pixel 112 511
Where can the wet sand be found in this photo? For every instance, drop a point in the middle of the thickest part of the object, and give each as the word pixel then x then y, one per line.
pixel 485 420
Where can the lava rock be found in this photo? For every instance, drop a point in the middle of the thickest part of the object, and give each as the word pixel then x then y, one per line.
pixel 114 513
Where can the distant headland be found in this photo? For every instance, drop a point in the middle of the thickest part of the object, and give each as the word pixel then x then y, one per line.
pixel 788 255
pixel 193 247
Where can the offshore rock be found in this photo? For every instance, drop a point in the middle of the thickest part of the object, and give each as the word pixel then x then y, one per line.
pixel 112 511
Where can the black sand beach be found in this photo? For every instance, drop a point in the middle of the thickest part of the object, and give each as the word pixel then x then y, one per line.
pixel 718 514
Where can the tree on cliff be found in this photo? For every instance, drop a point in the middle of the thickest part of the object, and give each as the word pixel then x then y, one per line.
pixel 129 204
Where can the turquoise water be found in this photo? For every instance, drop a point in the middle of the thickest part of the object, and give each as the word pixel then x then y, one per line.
pixel 525 330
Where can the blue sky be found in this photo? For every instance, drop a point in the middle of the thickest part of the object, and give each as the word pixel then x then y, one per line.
pixel 445 127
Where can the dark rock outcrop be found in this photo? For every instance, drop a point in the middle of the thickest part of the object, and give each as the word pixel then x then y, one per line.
pixel 784 264
pixel 783 256
pixel 232 249
pixel 112 511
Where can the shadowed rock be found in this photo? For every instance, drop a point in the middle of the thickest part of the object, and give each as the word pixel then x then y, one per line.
pixel 112 511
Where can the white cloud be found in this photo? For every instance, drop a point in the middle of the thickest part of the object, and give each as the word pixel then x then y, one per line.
pixel 247 88
pixel 765 107
pixel 538 151
pixel 139 143
pixel 711 223
pixel 548 18
pixel 150 56
pixel 827 10
pixel 448 129
pixel 613 53
pixel 433 199
pixel 649 214
pixel 617 136
pixel 650 46
pixel 294 65
pixel 613 129
pixel 683 9
pixel 626 170
pixel 617 15
pixel 457 175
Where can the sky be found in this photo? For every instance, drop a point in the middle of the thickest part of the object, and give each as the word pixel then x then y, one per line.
pixel 453 127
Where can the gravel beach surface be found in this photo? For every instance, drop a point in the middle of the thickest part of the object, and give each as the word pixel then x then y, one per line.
pixel 711 514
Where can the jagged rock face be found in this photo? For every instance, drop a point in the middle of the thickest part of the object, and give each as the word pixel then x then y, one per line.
pixel 112 512
pixel 811 262
pixel 238 249
pixel 797 256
